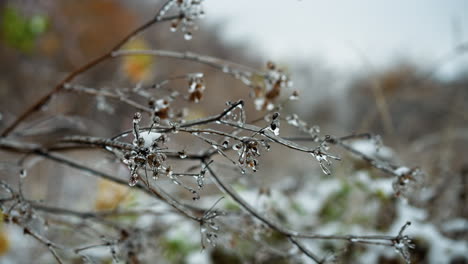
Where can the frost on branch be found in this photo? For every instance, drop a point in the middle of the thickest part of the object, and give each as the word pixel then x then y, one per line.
pixel 229 135
pixel 301 125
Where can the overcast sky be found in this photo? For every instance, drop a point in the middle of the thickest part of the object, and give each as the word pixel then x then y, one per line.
pixel 337 31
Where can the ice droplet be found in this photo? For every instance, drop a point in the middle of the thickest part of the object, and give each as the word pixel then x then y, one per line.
pixel 274 129
pixel 270 106
pixel 325 146
pixel 259 102
pixel 237 146
pixel 225 69
pixel 315 129
pixel 188 36
pixel 133 180
pixel 155 174
pixel 294 96
pixel 182 154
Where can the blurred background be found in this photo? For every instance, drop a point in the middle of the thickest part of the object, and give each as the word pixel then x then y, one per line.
pixel 394 68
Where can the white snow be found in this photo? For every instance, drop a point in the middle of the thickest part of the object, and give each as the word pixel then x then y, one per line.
pixel 454 225
pixel 150 137
pixel 369 148
pixel 402 171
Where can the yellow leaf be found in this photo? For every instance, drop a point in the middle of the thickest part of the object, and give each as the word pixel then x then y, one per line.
pixel 4 242
pixel 138 67
pixel 194 114
pixel 110 195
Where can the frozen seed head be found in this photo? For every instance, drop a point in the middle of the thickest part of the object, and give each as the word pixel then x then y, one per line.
pixel 407 181
pixel 191 11
pixel 196 88
pixel 137 117
pixel 174 25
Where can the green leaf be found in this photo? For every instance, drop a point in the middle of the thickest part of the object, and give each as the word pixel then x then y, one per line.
pixel 38 24
pixel 335 206
pixel 20 31
pixel 176 250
